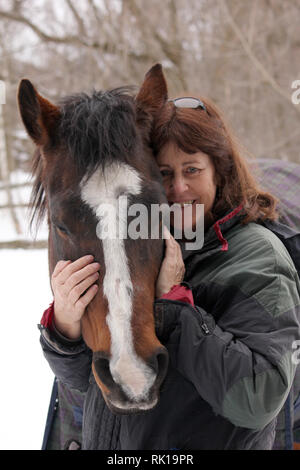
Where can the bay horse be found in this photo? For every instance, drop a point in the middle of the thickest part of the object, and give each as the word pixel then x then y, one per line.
pixel 94 148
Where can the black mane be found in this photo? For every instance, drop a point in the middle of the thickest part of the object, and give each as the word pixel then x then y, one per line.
pixel 98 128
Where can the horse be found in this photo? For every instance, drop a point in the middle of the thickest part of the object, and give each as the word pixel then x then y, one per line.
pixel 93 149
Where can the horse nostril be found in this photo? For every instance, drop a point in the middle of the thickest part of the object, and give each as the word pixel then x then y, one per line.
pixel 101 365
pixel 159 362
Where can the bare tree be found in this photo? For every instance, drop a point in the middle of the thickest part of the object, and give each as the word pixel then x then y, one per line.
pixel 242 54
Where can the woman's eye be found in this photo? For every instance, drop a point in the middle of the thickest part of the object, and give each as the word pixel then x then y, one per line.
pixel 192 170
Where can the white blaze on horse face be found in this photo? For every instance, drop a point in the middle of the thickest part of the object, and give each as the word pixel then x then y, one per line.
pixel 127 369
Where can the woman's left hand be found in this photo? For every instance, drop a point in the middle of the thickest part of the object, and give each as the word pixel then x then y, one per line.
pixel 172 269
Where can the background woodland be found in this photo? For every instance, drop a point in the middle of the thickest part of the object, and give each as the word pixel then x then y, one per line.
pixel 243 54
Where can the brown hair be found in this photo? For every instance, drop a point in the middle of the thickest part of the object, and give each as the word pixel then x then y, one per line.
pixel 194 130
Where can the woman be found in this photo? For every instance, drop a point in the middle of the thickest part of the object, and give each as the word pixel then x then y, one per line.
pixel 228 329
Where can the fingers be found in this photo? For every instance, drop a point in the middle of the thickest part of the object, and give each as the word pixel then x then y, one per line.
pixel 166 233
pixel 74 287
pixel 59 267
pixel 81 274
pixel 63 273
pixel 80 288
pixel 87 297
pixel 172 269
pixel 174 255
pixel 172 247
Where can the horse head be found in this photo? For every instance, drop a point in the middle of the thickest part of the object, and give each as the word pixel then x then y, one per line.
pixel 92 152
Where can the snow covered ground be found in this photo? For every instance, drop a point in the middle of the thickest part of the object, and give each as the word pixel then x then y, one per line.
pixel 26 377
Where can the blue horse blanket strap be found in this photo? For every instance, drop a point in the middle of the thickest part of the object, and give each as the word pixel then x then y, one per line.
pixel 289 439
pixel 284 439
pixel 51 415
pixel 63 429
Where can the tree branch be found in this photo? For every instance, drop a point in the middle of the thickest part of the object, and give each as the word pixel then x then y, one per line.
pixel 70 39
pixel 25 244
pixel 170 47
pixel 11 205
pixel 95 11
pixel 81 27
pixel 246 46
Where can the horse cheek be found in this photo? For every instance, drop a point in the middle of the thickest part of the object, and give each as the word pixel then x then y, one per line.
pixel 95 330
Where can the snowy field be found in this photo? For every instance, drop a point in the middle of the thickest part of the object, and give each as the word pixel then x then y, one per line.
pixel 26 377
pixel 25 293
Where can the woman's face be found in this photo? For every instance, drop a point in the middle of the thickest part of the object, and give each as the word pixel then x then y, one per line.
pixel 188 179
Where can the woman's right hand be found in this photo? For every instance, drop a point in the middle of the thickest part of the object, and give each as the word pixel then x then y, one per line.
pixel 74 287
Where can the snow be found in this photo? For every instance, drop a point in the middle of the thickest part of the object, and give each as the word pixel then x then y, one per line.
pixel 26 376
pixel 25 293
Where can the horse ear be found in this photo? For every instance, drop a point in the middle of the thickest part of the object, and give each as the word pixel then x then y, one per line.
pixel 154 91
pixel 39 116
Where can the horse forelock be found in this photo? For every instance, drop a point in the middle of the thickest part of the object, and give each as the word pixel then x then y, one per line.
pixel 99 128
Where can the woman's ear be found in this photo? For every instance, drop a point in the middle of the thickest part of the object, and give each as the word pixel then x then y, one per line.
pixel 153 92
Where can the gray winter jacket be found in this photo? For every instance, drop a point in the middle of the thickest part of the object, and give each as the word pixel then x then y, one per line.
pixel 231 365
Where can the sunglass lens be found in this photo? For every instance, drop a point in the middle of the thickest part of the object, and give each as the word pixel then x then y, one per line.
pixel 188 103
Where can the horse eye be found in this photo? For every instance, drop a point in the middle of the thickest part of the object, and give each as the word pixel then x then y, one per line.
pixel 62 229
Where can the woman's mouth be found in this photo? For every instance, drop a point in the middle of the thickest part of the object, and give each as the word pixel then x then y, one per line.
pixel 183 203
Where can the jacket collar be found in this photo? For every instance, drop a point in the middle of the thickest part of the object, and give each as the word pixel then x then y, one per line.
pixel 222 225
pixel 215 237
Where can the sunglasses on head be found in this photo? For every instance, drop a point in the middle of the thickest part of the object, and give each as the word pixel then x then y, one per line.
pixel 188 102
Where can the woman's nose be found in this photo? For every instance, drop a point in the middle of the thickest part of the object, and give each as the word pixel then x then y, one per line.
pixel 178 185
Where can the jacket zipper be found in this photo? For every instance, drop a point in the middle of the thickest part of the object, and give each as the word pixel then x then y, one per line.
pixel 203 325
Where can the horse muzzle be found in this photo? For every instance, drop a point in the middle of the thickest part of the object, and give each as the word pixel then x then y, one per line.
pixel 130 386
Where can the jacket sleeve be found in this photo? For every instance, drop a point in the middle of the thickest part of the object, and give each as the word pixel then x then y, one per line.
pixel 69 360
pixel 240 357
